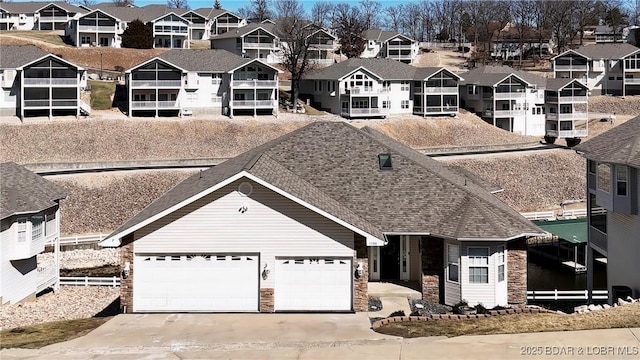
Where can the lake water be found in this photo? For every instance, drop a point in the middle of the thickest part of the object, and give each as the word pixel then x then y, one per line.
pixel 546 275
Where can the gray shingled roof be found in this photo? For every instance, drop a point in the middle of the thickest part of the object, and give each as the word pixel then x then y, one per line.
pixel 244 30
pixel 15 56
pixel 606 51
pixel 207 60
pixel 620 145
pixel 381 36
pixel 22 191
pixel 209 13
pixel 29 7
pixel 559 83
pixel 386 68
pixel 144 14
pixel 334 167
pixel 490 75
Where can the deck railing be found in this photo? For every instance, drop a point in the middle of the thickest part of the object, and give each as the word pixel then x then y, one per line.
pixel 560 295
pixel 156 83
pixel 50 81
pixel 90 281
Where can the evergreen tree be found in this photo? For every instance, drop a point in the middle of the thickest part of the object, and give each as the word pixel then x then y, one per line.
pixel 216 5
pixel 137 36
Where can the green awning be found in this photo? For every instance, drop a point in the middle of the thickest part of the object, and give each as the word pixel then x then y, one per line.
pixel 574 230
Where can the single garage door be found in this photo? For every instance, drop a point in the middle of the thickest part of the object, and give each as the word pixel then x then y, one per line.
pixel 195 283
pixel 317 284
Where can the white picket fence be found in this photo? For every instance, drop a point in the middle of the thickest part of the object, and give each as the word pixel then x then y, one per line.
pixel 566 294
pixel 80 239
pixel 90 281
pixel 540 215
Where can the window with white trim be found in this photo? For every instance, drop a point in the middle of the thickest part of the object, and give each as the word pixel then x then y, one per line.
pixel 386 104
pixel 478 265
pixel 404 104
pixel 603 178
pixel 404 85
pixel 21 226
pixel 37 227
pixel 500 260
pixel 216 79
pixel 453 263
pixel 622 179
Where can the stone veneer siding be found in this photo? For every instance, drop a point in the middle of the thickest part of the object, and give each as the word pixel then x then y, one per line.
pixel 126 284
pixel 266 301
pixel 432 269
pixel 517 271
pixel 361 285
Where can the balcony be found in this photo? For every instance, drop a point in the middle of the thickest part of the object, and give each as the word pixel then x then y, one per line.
pixel 254 83
pixel 568 133
pixel 253 104
pixel 321 46
pixel 364 91
pixel 439 109
pixel 322 61
pixel 392 46
pixel 367 112
pixel 441 90
pixel 400 56
pixel 257 45
pixel 93 28
pixel 62 18
pixel 632 81
pixel 571 67
pixel 51 81
pixel 136 105
pixel 504 113
pixel 156 83
pixel 578 115
pixel 567 99
pixel 55 103
pixel 511 95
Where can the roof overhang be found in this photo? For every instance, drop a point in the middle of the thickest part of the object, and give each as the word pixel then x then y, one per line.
pixel 358 69
pixel 53 56
pixel 260 28
pixel 194 13
pixel 258 61
pixel 100 11
pixel 512 74
pixel 114 240
pixel 157 58
pixel 56 5
pixel 443 69
pixel 570 52
pixel 524 234
pixel 171 13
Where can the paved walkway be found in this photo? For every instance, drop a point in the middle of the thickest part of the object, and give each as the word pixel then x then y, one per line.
pixel 315 336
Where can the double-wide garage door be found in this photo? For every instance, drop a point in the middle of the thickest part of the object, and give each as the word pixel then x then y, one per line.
pixel 196 283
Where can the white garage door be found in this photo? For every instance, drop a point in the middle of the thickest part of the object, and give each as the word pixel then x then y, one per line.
pixel 313 284
pixel 195 283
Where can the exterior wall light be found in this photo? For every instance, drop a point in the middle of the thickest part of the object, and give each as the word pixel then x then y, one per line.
pixel 265 272
pixel 359 270
pixel 126 270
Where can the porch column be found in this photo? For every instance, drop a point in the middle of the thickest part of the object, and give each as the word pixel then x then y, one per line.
pixel 129 82
pixel 56 251
pixel 517 271
pixel 361 284
pixel 589 263
pixel 432 283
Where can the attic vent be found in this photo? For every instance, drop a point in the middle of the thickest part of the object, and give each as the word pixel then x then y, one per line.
pixel 385 161
pixel 245 188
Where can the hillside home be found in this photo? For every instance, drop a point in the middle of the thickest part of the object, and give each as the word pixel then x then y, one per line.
pixel 566 109
pixel 505 44
pixel 254 41
pixel 184 81
pixel 30 219
pixel 95 28
pixel 322 45
pixel 304 222
pixel 613 183
pixel 34 15
pixel 207 22
pixel 366 88
pixel 610 68
pixel 389 45
pixel 36 83
pixel 607 34
pixel 225 21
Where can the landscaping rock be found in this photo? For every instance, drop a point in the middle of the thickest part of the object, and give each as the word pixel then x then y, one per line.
pixel 631 300
pixel 606 306
pixel 580 309
pixel 374 303
pixel 622 302
pixel 428 307
pixel 593 307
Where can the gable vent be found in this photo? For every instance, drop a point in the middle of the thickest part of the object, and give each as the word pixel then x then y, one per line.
pixel 384 160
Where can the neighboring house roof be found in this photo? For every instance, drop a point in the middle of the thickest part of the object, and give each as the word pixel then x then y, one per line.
pixel 490 75
pixel 96 11
pixel 605 29
pixel 22 191
pixel 382 36
pixel 619 145
pixel 333 166
pixel 387 69
pixel 15 56
pixel 423 73
pixel 603 51
pixel 559 83
pixel 245 30
pixel 29 7
pixel 145 14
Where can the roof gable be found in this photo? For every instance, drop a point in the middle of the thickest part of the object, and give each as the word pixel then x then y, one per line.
pixel 619 145
pixel 57 58
pixel 171 14
pixel 101 12
pixel 158 59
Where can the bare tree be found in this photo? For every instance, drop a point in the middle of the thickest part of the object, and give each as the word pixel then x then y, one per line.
pixel 523 16
pixel 370 10
pixel 350 25
pixel 412 24
pixel 178 4
pixel 289 9
pixel 82 2
pixel 217 5
pixel 427 21
pixel 394 17
pixel 122 3
pixel 257 10
pixel 321 13
pixel 586 13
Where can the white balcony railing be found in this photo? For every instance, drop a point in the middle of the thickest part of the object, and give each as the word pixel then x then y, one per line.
pixel 322 61
pixel 400 56
pixel 634 81
pixel 441 109
pixel 364 112
pixel 364 91
pixel 441 90
pixel 570 67
pixel 568 133
pixel 51 103
pixel 112 29
pixel 254 83
pixel 47 276
pixel 399 46
pixel 250 104
pixel 50 81
pixel 255 45
pixel 512 95
pixel 320 46
pixel 156 83
pixel 154 105
pixel 505 113
pixel 578 115
pixel 570 99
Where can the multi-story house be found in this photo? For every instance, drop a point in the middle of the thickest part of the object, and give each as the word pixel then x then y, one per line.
pixel 322 44
pixel 96 28
pixel 602 67
pixel 181 82
pixel 566 110
pixel 511 42
pixel 613 178
pixel 366 88
pixel 389 45
pixel 254 41
pixel 36 83
pixel 607 34
pixel 170 30
pixel 225 21
pixel 30 219
pixel 34 15
pixel 509 99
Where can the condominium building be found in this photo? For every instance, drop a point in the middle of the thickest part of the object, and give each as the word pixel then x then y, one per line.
pixel 254 41
pixel 36 15
pixel 389 45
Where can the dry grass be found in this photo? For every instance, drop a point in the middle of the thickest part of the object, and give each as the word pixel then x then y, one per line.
pixel 45 36
pixel 37 336
pixel 533 182
pixel 619 317
pixel 101 93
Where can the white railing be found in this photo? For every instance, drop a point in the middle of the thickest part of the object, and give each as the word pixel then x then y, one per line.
pixel 46 277
pixel 252 103
pixel 154 104
pixel 36 103
pixel 400 56
pixel 632 80
pixel 253 45
pixel 321 46
pixel 399 46
pixel 505 113
pixel 573 133
pixel 363 90
pixel 90 281
pixel 443 109
pixel 156 83
pixel 571 99
pixel 50 81
pixel 441 90
pixel 540 215
pixel 97 28
pixel 365 112
pixel 512 95
pixel 581 213
pixel 254 83
pixel 566 294
pixel 578 115
pixel 571 67
pixel 322 61
pixel 78 239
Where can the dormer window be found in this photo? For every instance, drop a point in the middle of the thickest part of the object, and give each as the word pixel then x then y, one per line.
pixel 385 162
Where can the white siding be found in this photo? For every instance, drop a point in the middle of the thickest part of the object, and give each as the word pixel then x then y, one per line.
pixel 487 294
pixel 18 278
pixel 272 226
pixel 623 250
pixel 452 294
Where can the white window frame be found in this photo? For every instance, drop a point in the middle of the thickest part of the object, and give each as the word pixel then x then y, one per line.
pixel 477 262
pixel 386 104
pixel 451 263
pixel 37 227
pixel 22 228
pixel 405 86
pixel 404 104
pixel 624 180
pixel 501 257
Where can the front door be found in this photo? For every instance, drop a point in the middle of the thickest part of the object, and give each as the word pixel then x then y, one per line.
pixel 390 259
